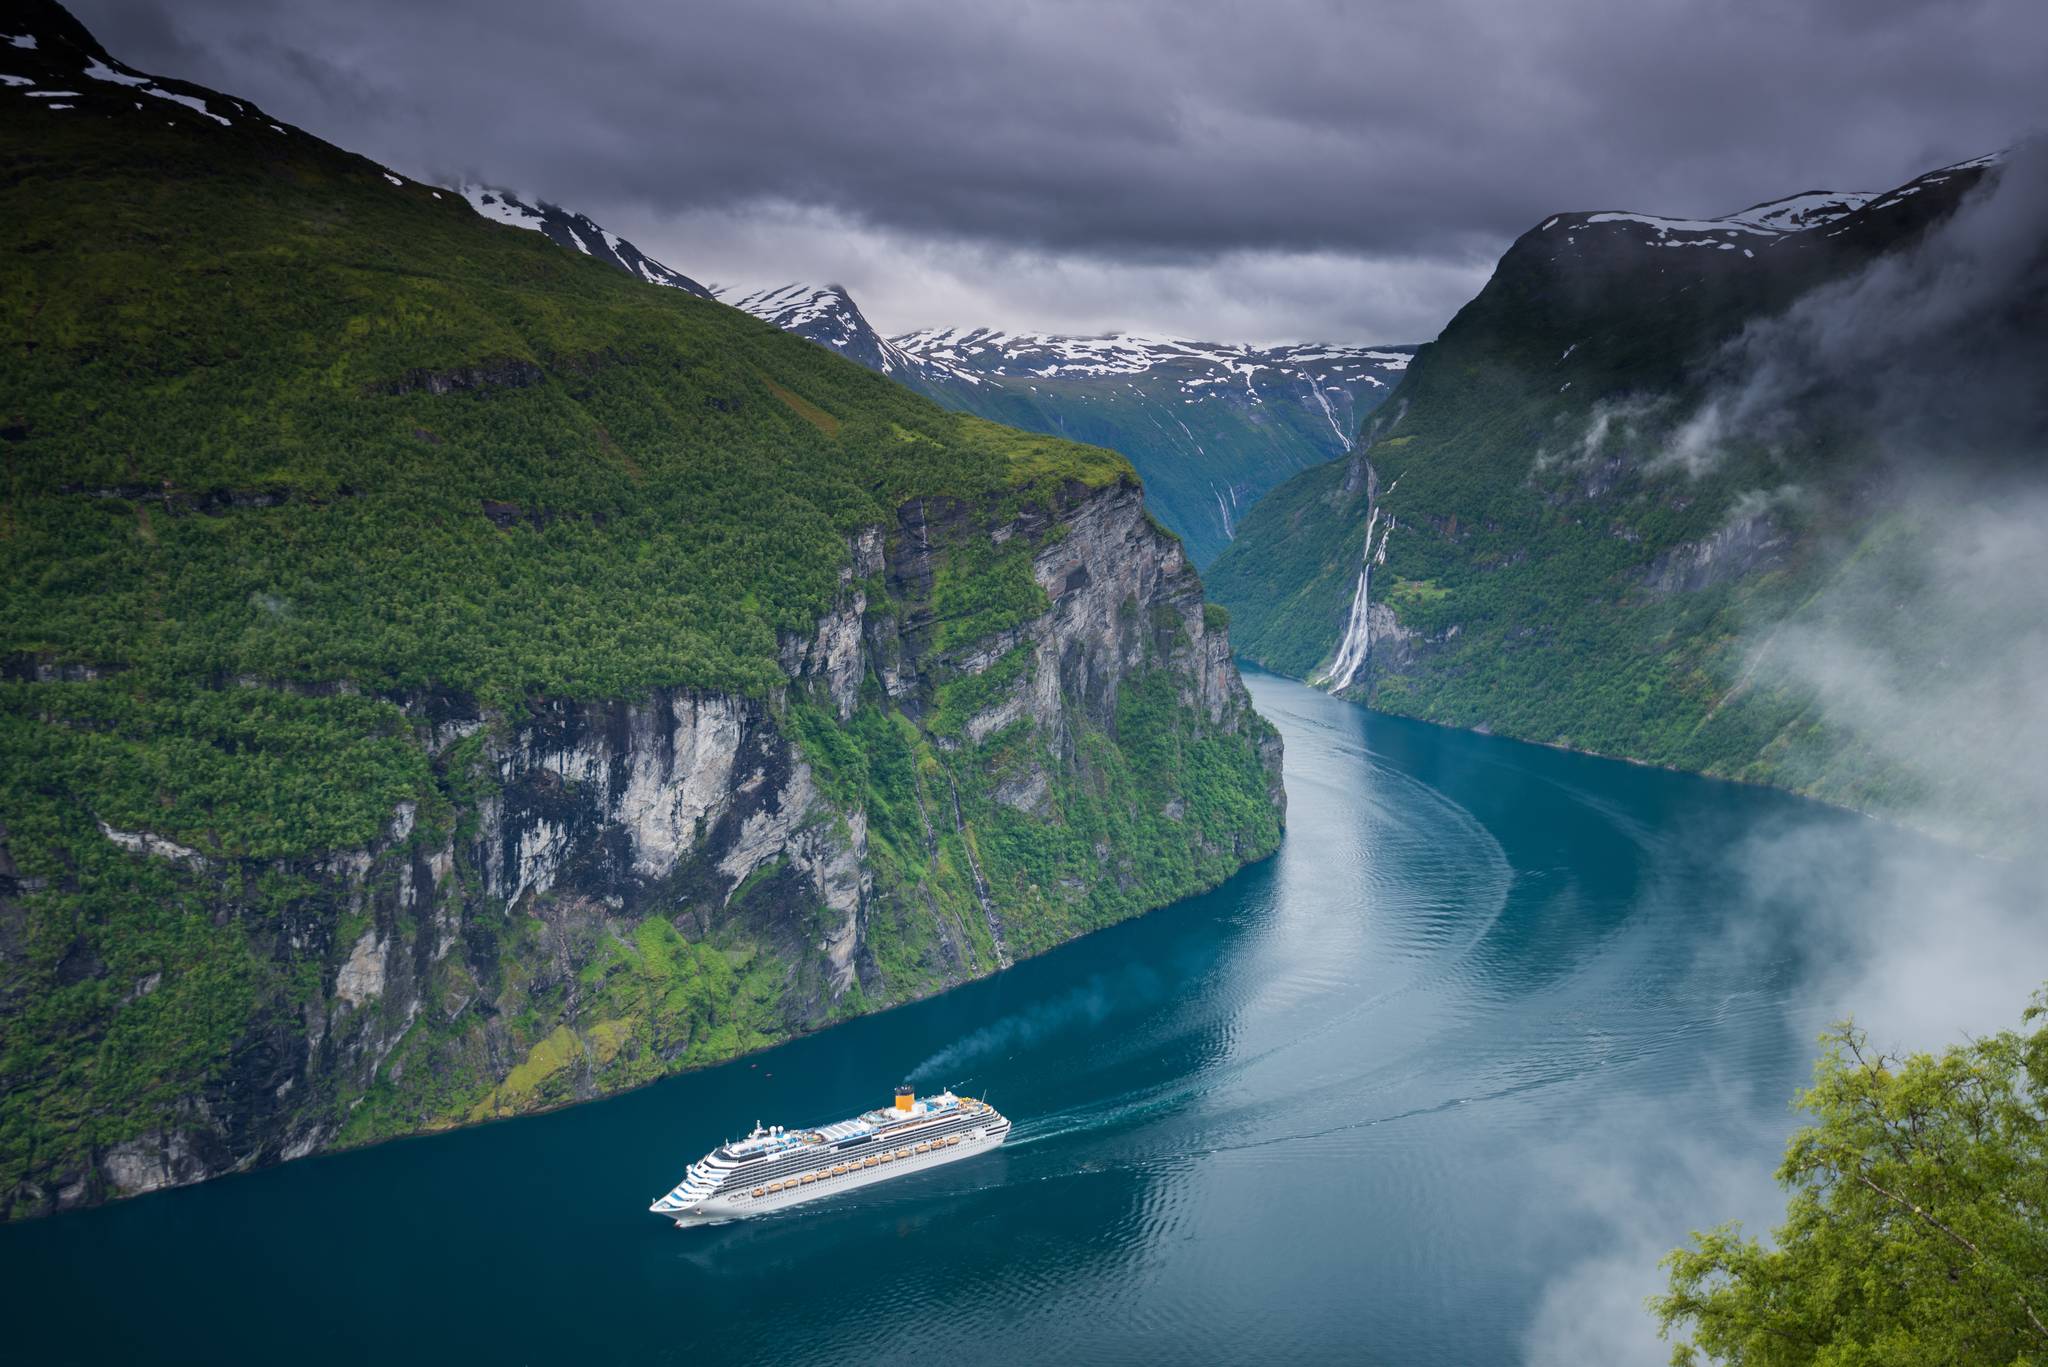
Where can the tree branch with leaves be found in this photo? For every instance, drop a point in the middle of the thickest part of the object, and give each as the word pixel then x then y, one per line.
pixel 1916 1231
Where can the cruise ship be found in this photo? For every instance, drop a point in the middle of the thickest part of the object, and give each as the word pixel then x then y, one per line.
pixel 776 1168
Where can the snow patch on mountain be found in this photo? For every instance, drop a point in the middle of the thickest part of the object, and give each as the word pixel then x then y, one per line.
pixel 1201 366
pixel 576 232
pixel 1759 225
pixel 61 62
pixel 100 71
pixel 1274 410
pixel 1809 209
pixel 828 316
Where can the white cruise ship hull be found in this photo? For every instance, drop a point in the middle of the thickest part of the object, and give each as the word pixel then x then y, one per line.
pixel 743 1204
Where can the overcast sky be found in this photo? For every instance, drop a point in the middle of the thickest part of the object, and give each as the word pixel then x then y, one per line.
pixel 1270 171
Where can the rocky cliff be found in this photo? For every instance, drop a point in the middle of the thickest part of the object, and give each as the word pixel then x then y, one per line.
pixel 443 676
pixel 600 892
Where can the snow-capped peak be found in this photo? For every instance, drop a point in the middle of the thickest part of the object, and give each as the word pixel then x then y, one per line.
pixel 576 232
pixel 827 315
pixel 1759 226
pixel 990 351
pixel 71 71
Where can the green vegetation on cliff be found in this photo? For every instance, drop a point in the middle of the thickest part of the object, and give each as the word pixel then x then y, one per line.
pixel 315 489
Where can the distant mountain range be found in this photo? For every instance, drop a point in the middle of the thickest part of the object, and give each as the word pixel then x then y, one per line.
pixel 1210 426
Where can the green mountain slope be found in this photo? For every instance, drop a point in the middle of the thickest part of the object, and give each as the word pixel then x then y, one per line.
pixel 1652 494
pixel 446 677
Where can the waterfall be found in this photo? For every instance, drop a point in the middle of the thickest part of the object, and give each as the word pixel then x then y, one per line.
pixel 1357 634
pixel 1357 642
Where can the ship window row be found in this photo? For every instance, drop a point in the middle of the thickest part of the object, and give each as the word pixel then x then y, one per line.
pixel 825 1157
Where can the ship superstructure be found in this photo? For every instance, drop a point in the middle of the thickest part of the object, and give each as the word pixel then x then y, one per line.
pixel 774 1168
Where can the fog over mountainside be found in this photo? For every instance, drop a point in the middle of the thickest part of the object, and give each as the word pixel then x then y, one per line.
pixel 1927 641
pixel 1932 647
pixel 1758 496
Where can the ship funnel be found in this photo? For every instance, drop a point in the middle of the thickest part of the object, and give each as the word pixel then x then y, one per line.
pixel 906 1096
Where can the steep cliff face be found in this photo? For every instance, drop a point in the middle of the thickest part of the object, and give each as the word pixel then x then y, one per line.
pixel 442 676
pixel 600 892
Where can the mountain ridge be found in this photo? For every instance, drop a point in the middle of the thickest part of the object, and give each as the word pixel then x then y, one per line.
pixel 1606 505
pixel 566 228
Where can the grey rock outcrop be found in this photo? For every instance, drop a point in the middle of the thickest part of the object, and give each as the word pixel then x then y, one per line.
pixel 590 817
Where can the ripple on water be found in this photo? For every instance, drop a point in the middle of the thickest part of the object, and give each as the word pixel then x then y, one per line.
pixel 1314 1114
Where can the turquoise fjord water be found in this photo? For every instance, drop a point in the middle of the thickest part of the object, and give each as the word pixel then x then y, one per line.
pixel 1435 1084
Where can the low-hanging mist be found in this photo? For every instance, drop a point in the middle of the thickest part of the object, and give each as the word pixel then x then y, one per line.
pixel 1928 640
pixel 1874 447
pixel 1928 643
pixel 1920 946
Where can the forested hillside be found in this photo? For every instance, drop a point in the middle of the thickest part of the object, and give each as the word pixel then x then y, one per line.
pixel 446 676
pixel 1737 495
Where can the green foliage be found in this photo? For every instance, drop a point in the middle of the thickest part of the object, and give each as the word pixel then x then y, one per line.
pixel 239 468
pixel 982 588
pixel 295 460
pixel 125 993
pixel 1917 1229
pixel 243 773
pixel 1170 809
pixel 962 698
pixel 645 1002
pixel 1038 461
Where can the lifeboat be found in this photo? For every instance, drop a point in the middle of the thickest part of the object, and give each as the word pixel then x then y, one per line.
pixel 924 1148
pixel 951 1140
pixel 760 1191
pixel 809 1178
pixel 885 1158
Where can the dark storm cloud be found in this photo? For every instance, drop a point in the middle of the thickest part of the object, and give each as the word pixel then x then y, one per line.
pixel 1159 134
